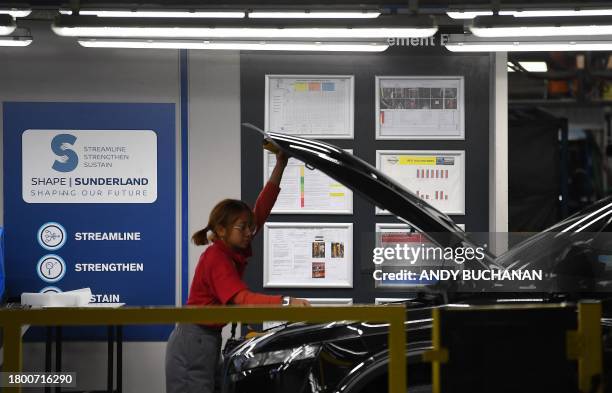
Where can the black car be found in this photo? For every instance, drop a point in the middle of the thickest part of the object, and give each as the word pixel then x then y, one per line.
pixel 575 254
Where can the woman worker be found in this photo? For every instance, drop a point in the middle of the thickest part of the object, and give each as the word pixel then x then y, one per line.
pixel 193 350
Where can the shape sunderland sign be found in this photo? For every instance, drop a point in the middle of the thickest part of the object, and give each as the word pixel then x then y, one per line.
pixel 93 166
pixel 89 193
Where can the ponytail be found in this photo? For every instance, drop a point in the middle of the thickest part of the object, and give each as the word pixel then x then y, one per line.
pixel 200 238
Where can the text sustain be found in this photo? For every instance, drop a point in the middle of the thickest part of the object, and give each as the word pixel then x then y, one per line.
pixel 105 298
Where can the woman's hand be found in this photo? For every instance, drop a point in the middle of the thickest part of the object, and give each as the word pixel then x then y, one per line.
pixel 281 158
pixel 277 172
pixel 299 302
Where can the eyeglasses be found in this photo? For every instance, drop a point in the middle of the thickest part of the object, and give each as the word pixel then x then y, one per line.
pixel 245 228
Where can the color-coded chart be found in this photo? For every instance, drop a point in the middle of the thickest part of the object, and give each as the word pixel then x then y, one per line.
pixel 432 174
pixel 315 106
pixel 308 191
pixel 301 186
pixel 437 177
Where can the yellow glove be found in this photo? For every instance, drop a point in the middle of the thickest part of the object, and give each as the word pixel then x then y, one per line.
pixel 270 146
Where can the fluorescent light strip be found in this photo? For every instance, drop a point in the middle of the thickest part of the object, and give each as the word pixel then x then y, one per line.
pixel 246 32
pixel 15 42
pixel 157 14
pixel 271 46
pixel 548 13
pixel 315 14
pixel 468 14
pixel 6 30
pixel 15 12
pixel 533 46
pixel 534 66
pixel 542 31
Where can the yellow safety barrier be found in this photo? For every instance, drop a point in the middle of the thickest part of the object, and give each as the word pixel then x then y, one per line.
pixel 438 355
pixel 12 320
pixel 584 344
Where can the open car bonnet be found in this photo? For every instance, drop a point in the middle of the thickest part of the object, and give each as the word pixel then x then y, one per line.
pixel 367 181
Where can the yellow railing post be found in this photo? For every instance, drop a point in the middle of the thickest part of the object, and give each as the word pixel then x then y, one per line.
pixel 12 351
pixel 437 355
pixel 590 346
pixel 397 355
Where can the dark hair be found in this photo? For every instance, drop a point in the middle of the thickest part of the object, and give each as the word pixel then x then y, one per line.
pixel 222 215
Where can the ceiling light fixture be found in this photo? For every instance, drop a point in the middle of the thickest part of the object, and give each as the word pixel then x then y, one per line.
pixel 534 66
pixel 508 26
pixel 463 43
pixel 16 12
pixel 468 14
pixel 237 45
pixel 314 14
pixel 88 26
pixel 156 13
pixel 7 24
pixel 15 41
pixel 557 13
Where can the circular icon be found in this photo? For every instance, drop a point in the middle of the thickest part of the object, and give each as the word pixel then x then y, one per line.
pixel 50 290
pixel 51 268
pixel 51 236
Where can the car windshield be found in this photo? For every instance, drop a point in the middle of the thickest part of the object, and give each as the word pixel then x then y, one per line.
pixel 575 254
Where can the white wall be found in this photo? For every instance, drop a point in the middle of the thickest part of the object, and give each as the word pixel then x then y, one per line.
pixel 214 139
pixel 498 154
pixel 58 69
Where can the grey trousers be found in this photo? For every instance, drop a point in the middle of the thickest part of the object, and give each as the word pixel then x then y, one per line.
pixel 192 355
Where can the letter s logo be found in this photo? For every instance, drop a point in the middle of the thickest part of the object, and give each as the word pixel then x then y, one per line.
pixel 68 159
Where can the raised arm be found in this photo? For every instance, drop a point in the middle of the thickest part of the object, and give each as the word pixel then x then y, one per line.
pixel 267 196
pixel 277 173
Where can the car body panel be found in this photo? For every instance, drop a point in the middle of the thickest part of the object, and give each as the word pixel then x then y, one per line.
pixel 351 354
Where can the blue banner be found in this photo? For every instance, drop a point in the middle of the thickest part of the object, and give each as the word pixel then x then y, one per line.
pixel 89 202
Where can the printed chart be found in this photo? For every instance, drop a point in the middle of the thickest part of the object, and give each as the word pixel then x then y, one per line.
pixel 308 255
pixel 310 105
pixel 306 191
pixel 437 177
pixel 420 108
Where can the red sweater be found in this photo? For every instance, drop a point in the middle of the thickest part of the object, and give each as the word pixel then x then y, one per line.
pixel 218 275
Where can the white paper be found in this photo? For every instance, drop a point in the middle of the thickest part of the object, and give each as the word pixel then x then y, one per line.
pixel 437 177
pixel 76 298
pixel 308 255
pixel 419 107
pixel 305 191
pixel 318 106
pixel 383 300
